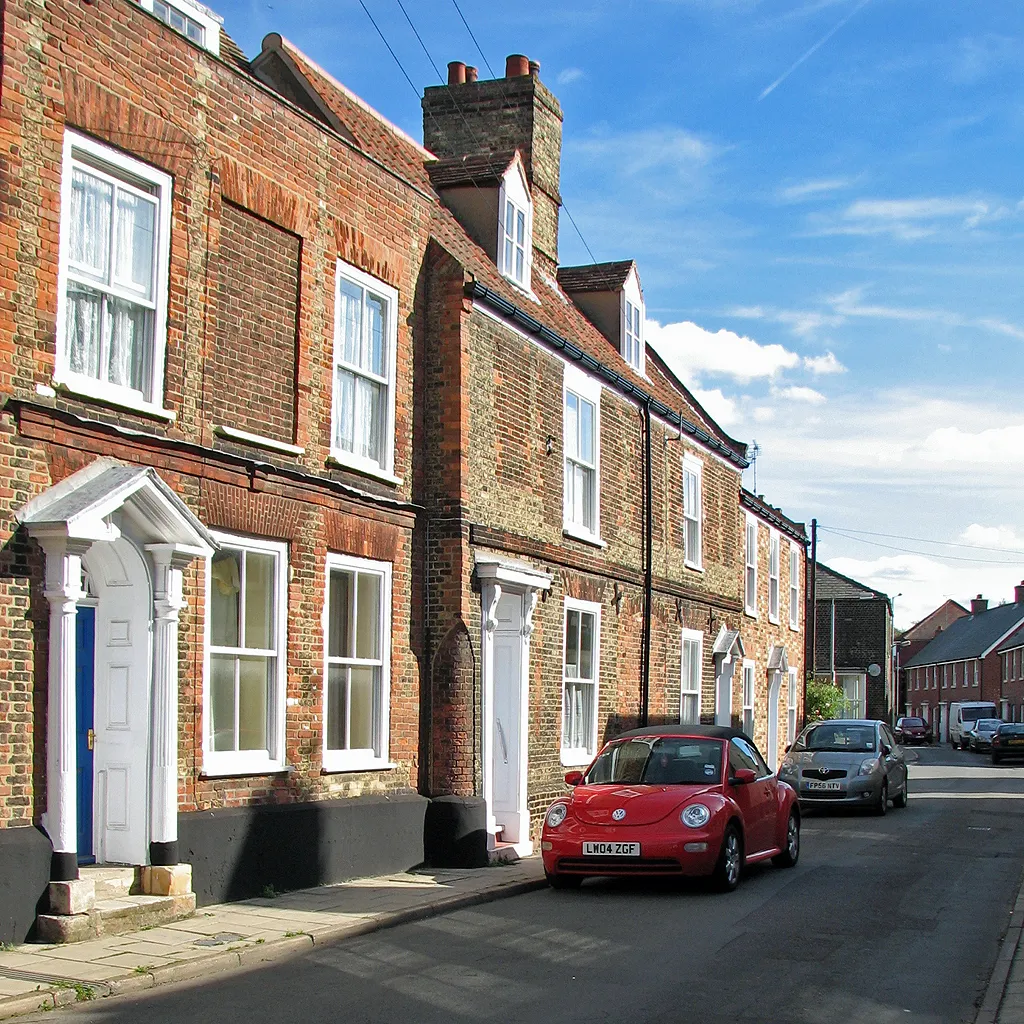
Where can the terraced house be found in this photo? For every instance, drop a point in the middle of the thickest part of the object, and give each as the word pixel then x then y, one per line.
pixel 326 492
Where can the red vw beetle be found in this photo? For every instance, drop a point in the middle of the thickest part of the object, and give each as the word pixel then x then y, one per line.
pixel 671 800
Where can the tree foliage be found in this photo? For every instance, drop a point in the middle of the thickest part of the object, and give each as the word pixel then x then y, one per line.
pixel 824 699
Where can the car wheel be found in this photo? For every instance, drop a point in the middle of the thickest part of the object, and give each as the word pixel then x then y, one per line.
pixel 730 861
pixel 883 802
pixel 901 800
pixel 560 881
pixel 791 854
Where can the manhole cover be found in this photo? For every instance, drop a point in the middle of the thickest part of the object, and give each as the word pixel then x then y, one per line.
pixel 220 939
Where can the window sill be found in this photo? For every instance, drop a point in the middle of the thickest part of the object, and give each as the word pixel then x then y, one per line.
pixel 122 398
pixel 233 434
pixel 580 534
pixel 575 758
pixel 776 621
pixel 750 614
pixel 342 460
pixel 220 769
pixel 695 566
pixel 333 765
pixel 796 628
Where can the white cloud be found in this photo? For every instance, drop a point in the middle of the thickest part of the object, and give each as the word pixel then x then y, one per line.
pixel 994 446
pixel 692 351
pixel 670 151
pixel 813 189
pixel 799 394
pixel 1004 537
pixel 721 409
pixel 822 365
pixel 569 75
pixel 801 322
pixel 912 219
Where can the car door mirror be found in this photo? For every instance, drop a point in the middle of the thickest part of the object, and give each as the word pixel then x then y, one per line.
pixel 743 777
pixel 573 778
pixel 886 750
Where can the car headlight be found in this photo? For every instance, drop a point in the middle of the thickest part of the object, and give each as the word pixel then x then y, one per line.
pixel 695 816
pixel 556 815
pixel 788 767
pixel 869 765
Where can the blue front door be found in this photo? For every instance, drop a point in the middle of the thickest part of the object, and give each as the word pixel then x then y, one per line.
pixel 85 636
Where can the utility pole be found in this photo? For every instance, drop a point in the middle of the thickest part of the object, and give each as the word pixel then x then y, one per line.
pixel 813 602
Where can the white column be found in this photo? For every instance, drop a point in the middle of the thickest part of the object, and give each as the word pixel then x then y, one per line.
pixel 167 603
pixel 63 591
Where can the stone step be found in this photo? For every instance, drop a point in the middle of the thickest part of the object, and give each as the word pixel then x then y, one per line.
pixel 111 882
pixel 115 916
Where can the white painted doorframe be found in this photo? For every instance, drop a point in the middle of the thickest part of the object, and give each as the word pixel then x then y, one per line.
pixel 774 691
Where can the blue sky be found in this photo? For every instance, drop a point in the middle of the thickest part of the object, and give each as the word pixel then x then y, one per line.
pixel 825 202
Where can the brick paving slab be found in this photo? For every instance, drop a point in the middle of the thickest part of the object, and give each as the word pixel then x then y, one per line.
pixel 231 935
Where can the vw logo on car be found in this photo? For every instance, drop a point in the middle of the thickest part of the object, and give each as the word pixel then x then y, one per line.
pixel 618 814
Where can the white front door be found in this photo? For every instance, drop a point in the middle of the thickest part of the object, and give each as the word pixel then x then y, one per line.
pixel 121 717
pixel 507 706
pixel 723 691
pixel 774 689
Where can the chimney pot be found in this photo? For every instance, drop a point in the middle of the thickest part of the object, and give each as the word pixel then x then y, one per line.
pixel 517 66
pixel 535 68
pixel 471 73
pixel 456 72
pixel 978 604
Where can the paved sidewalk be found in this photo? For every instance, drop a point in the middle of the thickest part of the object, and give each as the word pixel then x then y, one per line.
pixel 230 935
pixel 1003 1002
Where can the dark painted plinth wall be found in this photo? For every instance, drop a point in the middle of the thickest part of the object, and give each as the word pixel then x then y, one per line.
pixel 238 853
pixel 24 877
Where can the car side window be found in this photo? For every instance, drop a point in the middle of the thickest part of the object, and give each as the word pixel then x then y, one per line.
pixel 887 737
pixel 741 756
pixel 760 765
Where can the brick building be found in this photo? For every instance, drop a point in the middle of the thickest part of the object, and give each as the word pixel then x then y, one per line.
pixel 775 556
pixel 1011 692
pixel 471 527
pixel 852 641
pixel 916 638
pixel 964 662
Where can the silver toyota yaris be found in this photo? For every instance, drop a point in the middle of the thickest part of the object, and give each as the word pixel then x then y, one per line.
pixel 847 763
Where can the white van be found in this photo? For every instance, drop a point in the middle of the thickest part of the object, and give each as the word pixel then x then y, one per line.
pixel 965 713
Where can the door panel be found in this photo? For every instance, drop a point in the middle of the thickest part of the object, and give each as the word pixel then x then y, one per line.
pixel 85 634
pixel 723 693
pixel 505 743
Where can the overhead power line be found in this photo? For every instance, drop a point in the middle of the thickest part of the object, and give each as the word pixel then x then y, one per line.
pixel 926 540
pixel 926 554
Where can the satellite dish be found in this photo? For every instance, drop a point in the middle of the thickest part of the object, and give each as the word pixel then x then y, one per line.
pixel 874 670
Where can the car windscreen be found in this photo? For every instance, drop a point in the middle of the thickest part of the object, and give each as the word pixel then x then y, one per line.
pixel 973 714
pixel 988 724
pixel 912 723
pixel 838 736
pixel 659 761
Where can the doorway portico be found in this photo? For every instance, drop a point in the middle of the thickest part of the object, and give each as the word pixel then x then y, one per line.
pixel 116 539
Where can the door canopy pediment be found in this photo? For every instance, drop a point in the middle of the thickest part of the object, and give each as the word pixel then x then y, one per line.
pixel 728 644
pixel 778 660
pixel 80 507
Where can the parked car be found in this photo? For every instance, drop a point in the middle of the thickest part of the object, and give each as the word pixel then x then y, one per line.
pixel 966 732
pixel 847 763
pixel 982 733
pixel 912 730
pixel 671 800
pixel 1008 741
pixel 967 712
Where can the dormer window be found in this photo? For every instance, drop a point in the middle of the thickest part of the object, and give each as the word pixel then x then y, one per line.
pixel 631 336
pixel 191 19
pixel 515 226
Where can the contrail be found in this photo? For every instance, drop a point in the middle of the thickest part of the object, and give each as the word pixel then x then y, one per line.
pixel 817 46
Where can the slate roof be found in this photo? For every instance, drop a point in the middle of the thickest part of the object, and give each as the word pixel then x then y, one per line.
pixel 830 585
pixel 485 169
pixel 775 516
pixel 1015 639
pixel 970 637
pixel 595 277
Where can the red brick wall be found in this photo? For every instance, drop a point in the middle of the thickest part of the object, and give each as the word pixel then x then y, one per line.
pixel 250 381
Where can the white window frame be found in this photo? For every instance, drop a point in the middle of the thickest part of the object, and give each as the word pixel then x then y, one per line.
pixel 250 762
pixel 945 676
pixel 858 706
pixel 774 576
pixel 749 679
pixel 977 665
pixel 350 460
pixel 794 586
pixel 694 560
pixel 575 756
pixel 631 324
pixel 205 18
pixel 750 566
pixel 792 704
pixel 689 638
pixel 514 190
pixel 588 389
pixel 123 170
pixel 364 759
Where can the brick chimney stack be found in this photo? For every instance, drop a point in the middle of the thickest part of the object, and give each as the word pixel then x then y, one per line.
pixel 979 604
pixel 469 117
pixel 1018 593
